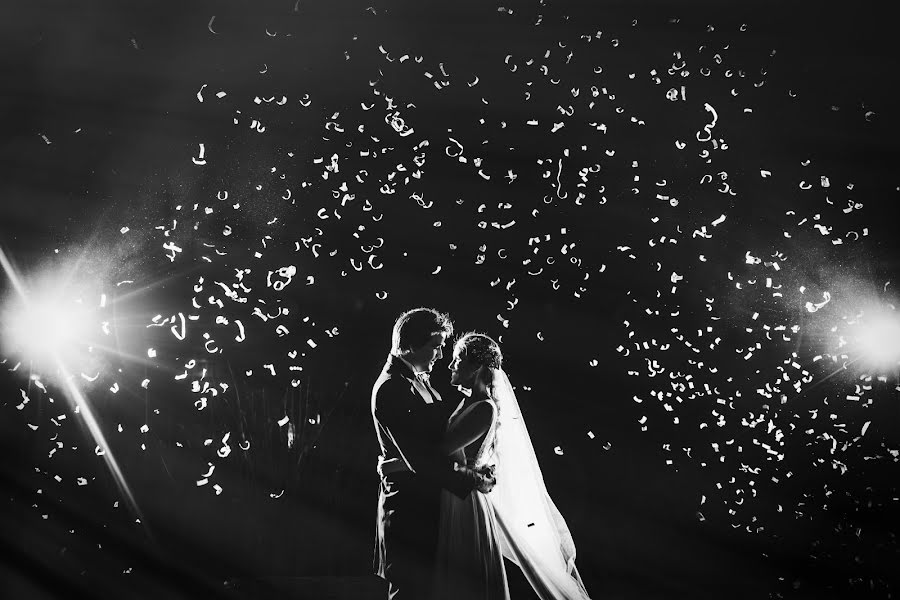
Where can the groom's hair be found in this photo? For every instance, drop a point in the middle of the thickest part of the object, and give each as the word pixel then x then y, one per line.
pixel 415 327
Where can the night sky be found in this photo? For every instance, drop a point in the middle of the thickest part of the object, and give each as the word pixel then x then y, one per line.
pixel 674 216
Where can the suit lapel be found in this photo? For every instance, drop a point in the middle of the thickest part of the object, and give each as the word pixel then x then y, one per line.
pixel 423 391
pixel 397 367
pixel 434 392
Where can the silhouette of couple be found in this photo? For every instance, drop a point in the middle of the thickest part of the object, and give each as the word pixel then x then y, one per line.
pixel 461 487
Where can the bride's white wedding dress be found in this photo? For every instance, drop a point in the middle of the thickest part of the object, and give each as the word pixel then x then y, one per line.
pixel 469 558
pixel 516 520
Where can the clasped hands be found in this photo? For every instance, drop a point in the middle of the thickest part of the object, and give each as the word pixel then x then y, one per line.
pixel 483 478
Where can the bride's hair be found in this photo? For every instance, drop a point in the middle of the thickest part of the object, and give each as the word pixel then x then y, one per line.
pixel 482 350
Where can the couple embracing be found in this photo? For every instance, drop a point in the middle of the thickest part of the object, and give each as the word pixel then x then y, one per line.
pixel 461 487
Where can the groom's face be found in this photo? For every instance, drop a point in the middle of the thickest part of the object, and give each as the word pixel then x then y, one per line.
pixel 424 357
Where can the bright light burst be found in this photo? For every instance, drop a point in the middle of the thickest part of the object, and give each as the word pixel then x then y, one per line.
pixel 876 339
pixel 51 326
pixel 46 326
pixel 50 316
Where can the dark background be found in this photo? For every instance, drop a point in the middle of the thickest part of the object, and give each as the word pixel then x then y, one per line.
pixel 126 76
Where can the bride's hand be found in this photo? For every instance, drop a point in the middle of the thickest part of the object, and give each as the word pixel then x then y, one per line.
pixel 486 479
pixel 482 478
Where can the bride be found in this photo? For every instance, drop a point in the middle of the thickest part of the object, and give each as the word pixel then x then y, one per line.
pixel 517 520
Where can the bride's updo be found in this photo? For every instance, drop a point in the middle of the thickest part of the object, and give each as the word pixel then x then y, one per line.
pixel 479 349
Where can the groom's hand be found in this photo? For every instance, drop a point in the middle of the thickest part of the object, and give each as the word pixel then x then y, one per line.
pixel 482 478
pixel 486 479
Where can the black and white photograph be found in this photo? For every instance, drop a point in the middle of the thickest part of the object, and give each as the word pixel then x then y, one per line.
pixel 399 300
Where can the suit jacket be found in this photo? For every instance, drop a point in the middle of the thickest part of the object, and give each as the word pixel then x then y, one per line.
pixel 410 421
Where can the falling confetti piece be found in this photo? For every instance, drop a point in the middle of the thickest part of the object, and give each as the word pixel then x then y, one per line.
pixel 199 159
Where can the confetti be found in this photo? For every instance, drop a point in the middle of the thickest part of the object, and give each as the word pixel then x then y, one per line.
pixel 727 335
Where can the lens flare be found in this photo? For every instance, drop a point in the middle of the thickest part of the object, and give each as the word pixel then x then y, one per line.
pixel 877 339
pixel 52 315
pixel 47 326
pixel 51 325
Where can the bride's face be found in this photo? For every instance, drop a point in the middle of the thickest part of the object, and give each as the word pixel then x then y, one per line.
pixel 462 373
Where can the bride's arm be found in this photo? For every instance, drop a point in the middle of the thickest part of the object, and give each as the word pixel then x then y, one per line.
pixel 471 427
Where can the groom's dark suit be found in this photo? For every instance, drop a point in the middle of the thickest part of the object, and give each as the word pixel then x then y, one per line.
pixel 410 420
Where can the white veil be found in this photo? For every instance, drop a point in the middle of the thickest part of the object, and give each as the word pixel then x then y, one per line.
pixel 534 534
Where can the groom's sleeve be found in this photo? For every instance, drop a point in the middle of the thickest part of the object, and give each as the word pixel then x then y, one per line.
pixel 399 413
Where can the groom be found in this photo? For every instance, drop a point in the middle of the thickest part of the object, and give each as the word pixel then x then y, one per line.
pixel 410 419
